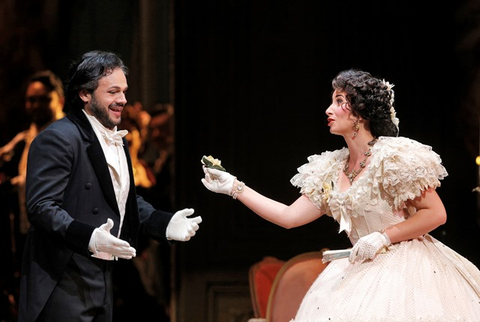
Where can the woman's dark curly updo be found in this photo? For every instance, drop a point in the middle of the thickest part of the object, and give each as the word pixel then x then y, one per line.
pixel 370 98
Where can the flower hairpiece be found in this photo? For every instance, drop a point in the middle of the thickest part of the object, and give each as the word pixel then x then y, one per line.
pixel 393 114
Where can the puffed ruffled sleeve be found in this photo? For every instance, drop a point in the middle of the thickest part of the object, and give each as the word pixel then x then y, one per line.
pixel 316 178
pixel 406 168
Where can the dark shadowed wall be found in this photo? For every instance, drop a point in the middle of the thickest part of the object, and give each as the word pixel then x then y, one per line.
pixel 252 86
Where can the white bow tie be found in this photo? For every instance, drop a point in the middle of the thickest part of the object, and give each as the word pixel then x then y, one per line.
pixel 115 137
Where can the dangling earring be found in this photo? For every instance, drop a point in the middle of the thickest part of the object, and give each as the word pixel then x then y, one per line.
pixel 356 127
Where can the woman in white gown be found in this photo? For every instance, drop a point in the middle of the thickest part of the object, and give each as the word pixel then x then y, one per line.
pixel 381 191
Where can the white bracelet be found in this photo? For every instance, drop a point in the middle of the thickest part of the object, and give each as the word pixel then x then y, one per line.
pixel 237 189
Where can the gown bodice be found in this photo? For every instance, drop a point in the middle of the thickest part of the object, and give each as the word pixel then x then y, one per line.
pixel 399 169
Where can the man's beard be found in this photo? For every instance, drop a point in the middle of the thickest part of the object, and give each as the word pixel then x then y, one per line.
pixel 102 114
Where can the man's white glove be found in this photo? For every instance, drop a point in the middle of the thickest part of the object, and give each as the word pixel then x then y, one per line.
pixel 218 181
pixel 368 246
pixel 106 246
pixel 182 228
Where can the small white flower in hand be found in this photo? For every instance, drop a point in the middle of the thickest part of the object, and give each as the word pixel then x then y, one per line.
pixel 212 163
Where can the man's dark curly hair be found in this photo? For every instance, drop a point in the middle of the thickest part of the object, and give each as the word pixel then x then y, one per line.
pixel 85 73
pixel 369 98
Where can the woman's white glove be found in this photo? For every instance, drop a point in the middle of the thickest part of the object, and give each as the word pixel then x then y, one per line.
pixel 218 181
pixel 106 246
pixel 368 246
pixel 182 228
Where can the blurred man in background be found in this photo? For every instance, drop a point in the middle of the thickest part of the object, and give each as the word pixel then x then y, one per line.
pixel 44 101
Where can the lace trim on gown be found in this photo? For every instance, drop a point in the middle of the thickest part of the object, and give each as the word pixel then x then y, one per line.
pixel 316 179
pixel 402 167
pixel 406 168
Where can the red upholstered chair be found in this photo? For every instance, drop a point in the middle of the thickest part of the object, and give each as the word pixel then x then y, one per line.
pixel 291 284
pixel 261 277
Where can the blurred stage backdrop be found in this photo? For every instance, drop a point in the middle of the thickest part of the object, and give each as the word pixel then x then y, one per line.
pixel 249 82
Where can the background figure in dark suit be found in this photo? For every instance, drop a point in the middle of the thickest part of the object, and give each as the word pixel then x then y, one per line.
pixel 83 208
pixel 44 100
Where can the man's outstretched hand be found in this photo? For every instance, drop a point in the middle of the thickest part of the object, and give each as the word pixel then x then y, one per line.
pixel 182 228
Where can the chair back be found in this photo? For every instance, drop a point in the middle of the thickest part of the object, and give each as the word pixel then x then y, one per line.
pixel 261 277
pixel 291 284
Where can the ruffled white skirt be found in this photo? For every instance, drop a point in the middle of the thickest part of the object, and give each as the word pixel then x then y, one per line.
pixel 418 280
